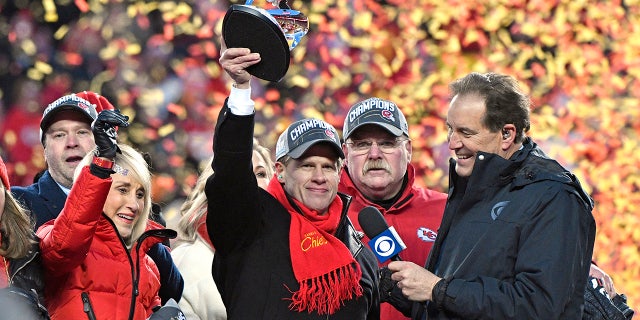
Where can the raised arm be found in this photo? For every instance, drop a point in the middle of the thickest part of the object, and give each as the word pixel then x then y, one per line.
pixel 232 190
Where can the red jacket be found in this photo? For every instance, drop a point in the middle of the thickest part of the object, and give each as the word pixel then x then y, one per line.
pixel 82 252
pixel 416 216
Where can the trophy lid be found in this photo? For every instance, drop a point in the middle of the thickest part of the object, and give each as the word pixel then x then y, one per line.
pixel 246 26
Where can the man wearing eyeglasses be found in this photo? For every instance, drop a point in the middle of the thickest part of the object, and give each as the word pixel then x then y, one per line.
pixel 378 172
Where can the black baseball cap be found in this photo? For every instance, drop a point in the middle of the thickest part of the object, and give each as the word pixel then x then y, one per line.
pixel 68 102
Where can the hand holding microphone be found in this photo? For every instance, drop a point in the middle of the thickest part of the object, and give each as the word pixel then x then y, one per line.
pixel 385 244
pixel 415 281
pixel 385 241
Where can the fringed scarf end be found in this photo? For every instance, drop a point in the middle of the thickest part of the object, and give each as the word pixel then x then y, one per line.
pixel 327 293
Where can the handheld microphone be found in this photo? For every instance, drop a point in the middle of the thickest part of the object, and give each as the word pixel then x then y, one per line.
pixel 385 241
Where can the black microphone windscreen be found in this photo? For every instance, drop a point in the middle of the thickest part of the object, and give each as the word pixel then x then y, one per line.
pixel 372 221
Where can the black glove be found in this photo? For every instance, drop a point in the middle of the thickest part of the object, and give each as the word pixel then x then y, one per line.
pixel 104 132
pixel 620 301
pixel 598 306
pixel 386 284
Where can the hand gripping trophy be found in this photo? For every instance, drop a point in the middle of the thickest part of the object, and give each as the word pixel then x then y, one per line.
pixel 273 33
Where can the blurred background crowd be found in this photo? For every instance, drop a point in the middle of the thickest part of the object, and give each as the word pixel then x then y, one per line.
pixel 157 62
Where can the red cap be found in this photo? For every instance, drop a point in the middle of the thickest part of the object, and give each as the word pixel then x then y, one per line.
pixel 100 102
pixel 4 175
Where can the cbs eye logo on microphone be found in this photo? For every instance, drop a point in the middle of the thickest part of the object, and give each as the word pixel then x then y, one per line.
pixel 387 245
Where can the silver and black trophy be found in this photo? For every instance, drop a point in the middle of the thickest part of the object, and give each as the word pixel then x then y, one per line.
pixel 271 32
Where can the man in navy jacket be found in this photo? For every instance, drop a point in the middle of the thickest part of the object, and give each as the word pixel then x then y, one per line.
pixel 517 234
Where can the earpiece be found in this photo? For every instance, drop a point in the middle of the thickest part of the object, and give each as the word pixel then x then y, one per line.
pixel 505 134
pixel 280 177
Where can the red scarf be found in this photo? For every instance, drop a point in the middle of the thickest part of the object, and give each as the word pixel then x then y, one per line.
pixel 324 267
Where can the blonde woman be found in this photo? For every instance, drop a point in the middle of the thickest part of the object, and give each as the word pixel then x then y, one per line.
pixel 94 252
pixel 21 281
pixel 263 166
pixel 193 253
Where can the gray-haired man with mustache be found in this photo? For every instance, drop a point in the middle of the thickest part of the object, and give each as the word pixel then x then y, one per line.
pixel 378 172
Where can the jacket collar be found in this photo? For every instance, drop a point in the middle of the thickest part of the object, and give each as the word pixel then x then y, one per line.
pixel 528 165
pixel 348 187
pixel 154 234
pixel 50 191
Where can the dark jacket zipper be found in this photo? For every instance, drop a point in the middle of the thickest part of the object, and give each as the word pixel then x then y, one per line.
pixel 87 307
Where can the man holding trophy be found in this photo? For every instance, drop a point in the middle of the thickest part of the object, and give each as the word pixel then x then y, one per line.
pixel 290 251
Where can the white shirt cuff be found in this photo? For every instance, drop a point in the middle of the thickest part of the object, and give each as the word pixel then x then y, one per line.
pixel 240 102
